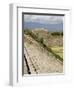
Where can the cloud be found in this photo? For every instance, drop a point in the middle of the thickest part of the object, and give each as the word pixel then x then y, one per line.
pixel 43 19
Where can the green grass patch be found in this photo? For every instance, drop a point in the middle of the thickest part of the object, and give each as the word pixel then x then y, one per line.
pixel 58 50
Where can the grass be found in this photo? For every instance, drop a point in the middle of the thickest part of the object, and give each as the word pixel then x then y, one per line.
pixel 58 50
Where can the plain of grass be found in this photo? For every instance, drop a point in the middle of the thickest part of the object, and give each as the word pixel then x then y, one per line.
pixel 58 50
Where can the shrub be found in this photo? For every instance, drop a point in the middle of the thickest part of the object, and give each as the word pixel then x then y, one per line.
pixel 41 40
pixel 57 33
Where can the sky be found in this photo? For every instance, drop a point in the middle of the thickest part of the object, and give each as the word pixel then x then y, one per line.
pixel 49 22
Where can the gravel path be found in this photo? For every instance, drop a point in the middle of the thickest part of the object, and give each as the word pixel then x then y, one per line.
pixel 40 61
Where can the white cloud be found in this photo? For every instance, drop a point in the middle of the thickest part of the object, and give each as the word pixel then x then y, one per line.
pixel 43 19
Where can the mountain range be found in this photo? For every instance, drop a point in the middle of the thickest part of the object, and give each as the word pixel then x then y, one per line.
pixel 52 27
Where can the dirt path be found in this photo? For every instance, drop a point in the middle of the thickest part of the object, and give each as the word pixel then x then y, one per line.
pixel 39 60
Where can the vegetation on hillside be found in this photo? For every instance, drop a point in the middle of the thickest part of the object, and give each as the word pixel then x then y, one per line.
pixel 40 38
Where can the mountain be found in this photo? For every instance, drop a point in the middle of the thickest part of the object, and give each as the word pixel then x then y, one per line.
pixel 50 27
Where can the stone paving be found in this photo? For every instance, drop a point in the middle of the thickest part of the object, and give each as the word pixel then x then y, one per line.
pixel 39 60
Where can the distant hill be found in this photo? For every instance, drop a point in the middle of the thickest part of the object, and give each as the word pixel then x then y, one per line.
pixel 50 27
pixel 49 38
